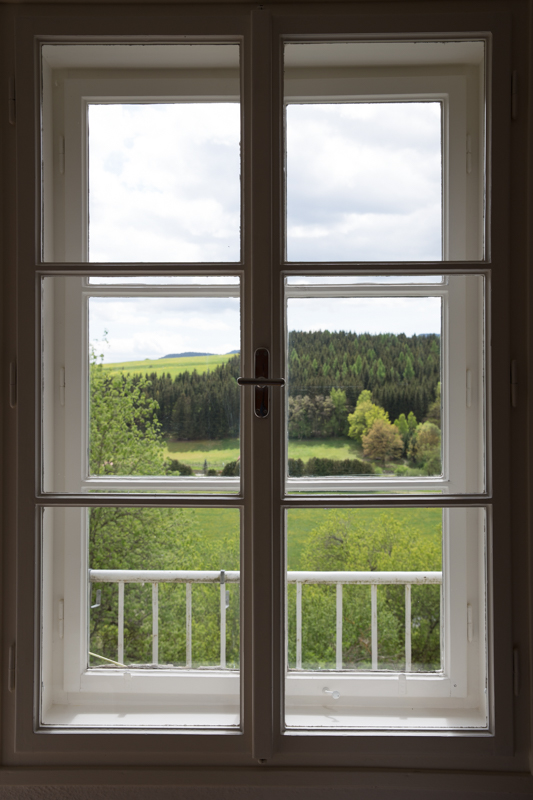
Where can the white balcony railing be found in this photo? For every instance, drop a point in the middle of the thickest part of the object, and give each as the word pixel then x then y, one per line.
pixel 339 579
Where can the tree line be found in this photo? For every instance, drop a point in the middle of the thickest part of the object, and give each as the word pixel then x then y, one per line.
pixel 401 372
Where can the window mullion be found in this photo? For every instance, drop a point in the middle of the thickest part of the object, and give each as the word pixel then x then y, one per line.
pixel 260 712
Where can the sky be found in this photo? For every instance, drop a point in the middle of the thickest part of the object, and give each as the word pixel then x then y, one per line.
pixel 139 328
pixel 363 183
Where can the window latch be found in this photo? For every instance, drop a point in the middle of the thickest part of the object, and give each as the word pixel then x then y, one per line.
pixel 261 382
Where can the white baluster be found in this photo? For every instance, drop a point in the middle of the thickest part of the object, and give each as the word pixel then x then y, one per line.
pixel 155 623
pixel 120 657
pixel 338 641
pixel 374 609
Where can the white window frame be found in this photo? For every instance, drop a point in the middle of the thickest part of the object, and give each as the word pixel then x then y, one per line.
pixel 461 309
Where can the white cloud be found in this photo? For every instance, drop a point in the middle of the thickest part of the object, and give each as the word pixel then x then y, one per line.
pixel 139 328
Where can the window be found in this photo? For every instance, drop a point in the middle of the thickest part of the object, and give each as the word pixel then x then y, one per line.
pixel 306 655
pixel 102 432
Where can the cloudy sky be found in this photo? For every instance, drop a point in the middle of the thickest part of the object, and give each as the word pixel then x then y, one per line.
pixel 139 328
pixel 363 183
pixel 164 182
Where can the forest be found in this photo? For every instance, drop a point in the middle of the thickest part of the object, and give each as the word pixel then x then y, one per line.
pixel 401 372
pixel 379 392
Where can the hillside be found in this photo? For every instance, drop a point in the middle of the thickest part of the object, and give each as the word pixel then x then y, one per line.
pixel 172 366
pixel 199 398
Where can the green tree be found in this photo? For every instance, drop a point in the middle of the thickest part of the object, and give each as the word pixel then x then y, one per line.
pixel 124 433
pixel 340 412
pixel 357 540
pixel 382 441
pixel 364 415
pixel 434 409
pixel 424 449
pixel 408 372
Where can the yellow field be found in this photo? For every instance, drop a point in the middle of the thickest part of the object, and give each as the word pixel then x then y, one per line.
pixel 163 366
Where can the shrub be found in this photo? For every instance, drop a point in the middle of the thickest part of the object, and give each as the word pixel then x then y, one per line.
pixel 212 472
pixel 401 471
pixel 232 469
pixel 296 467
pixel 433 464
pixel 321 467
pixel 177 466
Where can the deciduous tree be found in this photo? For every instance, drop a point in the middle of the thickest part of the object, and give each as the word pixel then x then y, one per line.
pixel 382 441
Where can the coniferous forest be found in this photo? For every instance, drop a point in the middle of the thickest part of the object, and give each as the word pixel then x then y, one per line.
pixel 401 372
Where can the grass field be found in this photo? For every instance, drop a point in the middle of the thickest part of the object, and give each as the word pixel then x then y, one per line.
pixel 218 453
pixel 162 366
pixel 301 521
pixel 338 449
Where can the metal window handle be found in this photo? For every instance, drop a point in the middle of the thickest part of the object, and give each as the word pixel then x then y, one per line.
pixel 261 382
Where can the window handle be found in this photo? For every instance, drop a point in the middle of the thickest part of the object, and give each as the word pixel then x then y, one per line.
pixel 261 382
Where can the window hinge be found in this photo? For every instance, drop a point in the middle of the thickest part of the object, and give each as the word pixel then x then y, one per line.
pixel 469 622
pixel 12 669
pixel 514 383
pixel 11 101
pixel 13 384
pixel 62 386
pixel 62 154
pixel 514 95
pixel 468 388
pixel 516 671
pixel 468 154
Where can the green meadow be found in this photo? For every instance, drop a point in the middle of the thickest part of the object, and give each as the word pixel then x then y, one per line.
pixel 301 521
pixel 171 366
pixel 219 452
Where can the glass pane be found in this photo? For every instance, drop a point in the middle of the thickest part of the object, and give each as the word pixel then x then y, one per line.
pixel 364 182
pixel 375 156
pixel 375 611
pixel 364 378
pixel 376 386
pixel 150 396
pixel 160 592
pixel 164 182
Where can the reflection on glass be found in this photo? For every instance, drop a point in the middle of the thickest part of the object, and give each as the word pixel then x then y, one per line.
pixel 164 399
pixel 164 182
pixel 370 551
pixel 364 388
pixel 364 181
pixel 179 623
